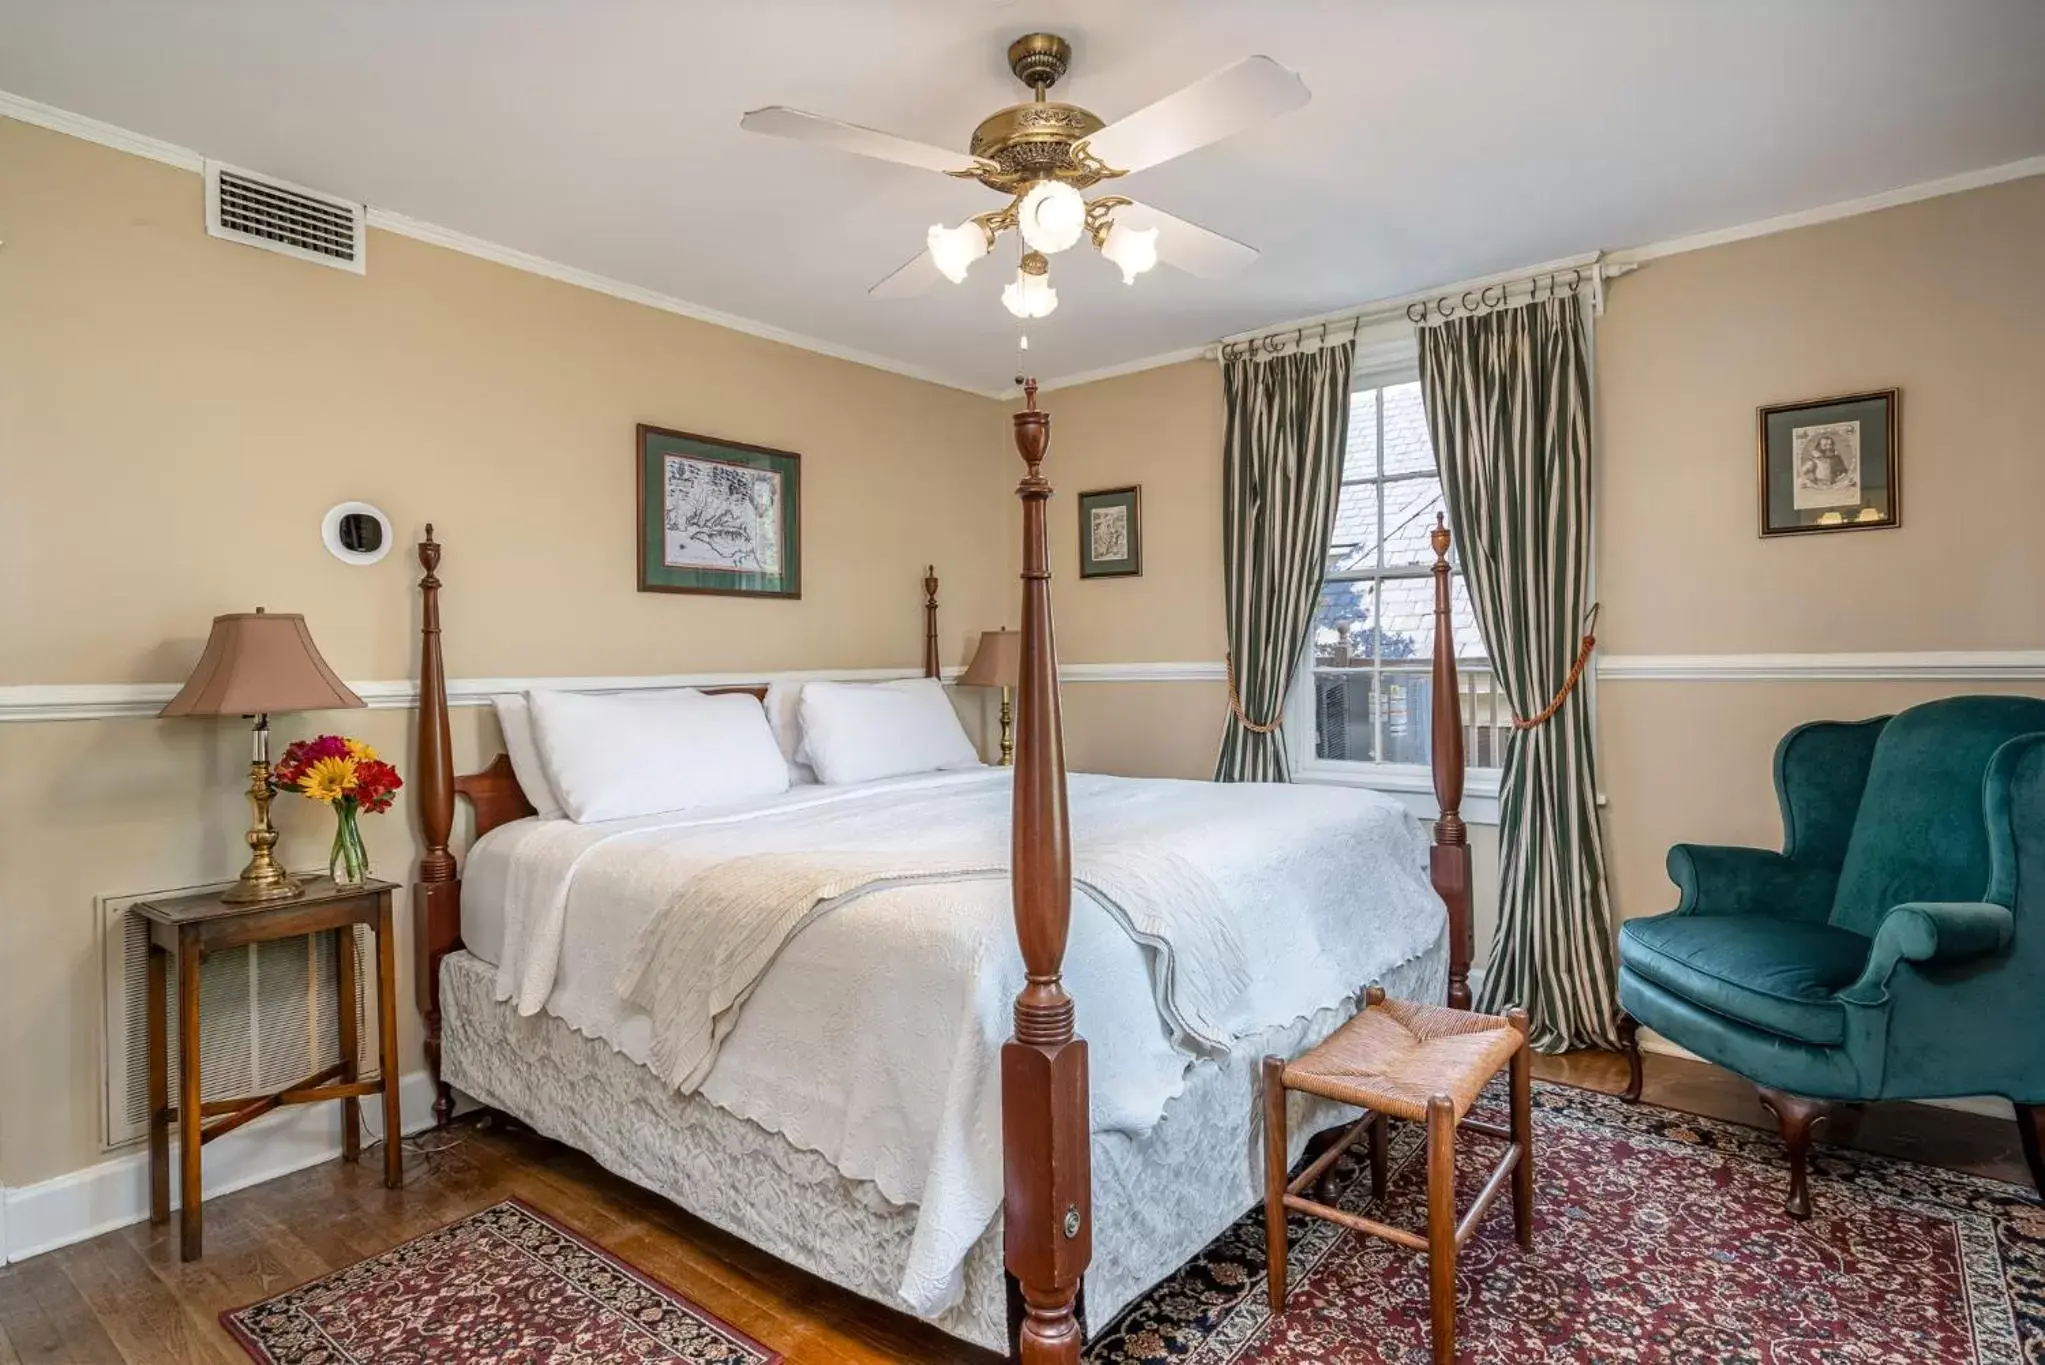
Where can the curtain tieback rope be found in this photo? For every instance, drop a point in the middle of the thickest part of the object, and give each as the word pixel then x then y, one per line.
pixel 1583 658
pixel 1235 701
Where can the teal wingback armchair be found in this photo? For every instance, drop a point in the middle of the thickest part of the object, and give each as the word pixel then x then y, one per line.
pixel 1894 948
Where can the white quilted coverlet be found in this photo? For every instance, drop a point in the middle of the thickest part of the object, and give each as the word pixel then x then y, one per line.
pixel 873 1038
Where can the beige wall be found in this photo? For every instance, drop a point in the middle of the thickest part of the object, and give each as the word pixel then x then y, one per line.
pixel 176 414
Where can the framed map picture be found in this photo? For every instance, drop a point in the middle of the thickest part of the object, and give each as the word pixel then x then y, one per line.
pixel 718 517
pixel 1830 465
pixel 1111 533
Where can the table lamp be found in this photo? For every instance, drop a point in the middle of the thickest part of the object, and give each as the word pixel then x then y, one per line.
pixel 257 664
pixel 998 663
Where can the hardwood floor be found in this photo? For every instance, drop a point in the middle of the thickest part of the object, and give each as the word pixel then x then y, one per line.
pixel 125 1299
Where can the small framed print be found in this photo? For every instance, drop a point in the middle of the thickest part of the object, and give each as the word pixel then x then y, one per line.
pixel 717 516
pixel 1830 465
pixel 1111 533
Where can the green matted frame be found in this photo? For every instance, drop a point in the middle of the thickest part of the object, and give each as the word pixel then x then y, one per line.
pixel 1877 501
pixel 655 447
pixel 1130 501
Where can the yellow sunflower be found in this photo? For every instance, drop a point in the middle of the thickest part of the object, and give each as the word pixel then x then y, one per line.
pixel 358 750
pixel 329 779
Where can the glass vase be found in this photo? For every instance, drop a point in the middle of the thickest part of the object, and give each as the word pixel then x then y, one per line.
pixel 348 864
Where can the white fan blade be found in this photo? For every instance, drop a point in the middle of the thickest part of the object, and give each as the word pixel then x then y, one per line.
pixel 912 279
pixel 1208 110
pixel 1188 246
pixel 780 121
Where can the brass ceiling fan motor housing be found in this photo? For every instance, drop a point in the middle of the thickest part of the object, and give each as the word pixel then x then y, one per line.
pixel 1035 141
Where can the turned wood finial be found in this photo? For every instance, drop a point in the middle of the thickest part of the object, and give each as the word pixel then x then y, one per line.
pixel 1032 432
pixel 429 557
pixel 1438 538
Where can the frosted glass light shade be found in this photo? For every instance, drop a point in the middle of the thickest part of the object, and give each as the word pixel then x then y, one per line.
pixel 1052 216
pixel 1134 249
pixel 1029 296
pixel 954 249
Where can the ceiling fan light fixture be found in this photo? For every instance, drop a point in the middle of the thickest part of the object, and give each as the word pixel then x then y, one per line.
pixel 954 249
pixel 1029 294
pixel 1133 249
pixel 1052 216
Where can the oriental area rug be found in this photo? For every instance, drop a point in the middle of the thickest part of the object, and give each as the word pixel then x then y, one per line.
pixel 1660 1237
pixel 506 1284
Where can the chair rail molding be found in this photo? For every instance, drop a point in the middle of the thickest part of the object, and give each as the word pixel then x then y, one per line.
pixel 1982 665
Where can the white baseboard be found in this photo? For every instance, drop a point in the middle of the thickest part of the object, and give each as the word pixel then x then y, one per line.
pixel 1989 1106
pixel 115 1193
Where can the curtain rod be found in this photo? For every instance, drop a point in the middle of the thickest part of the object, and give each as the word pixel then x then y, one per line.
pixel 1588 272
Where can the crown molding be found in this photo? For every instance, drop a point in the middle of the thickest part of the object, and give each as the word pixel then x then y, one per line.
pixel 24 110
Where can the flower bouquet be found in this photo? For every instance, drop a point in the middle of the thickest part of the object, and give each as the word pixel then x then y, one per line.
pixel 347 775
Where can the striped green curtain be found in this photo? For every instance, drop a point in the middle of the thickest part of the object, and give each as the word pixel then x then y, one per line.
pixel 1281 462
pixel 1509 403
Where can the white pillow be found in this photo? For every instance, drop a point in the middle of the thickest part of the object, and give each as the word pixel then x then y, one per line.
pixel 784 700
pixel 515 719
pixel 856 732
pixel 613 757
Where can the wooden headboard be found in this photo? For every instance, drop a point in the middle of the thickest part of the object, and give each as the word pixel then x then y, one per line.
pixel 494 797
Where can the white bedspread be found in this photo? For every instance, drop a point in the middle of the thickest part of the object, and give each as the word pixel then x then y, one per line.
pixel 874 1037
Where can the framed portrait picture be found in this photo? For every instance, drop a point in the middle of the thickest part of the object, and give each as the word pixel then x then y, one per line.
pixel 1111 533
pixel 1830 465
pixel 717 516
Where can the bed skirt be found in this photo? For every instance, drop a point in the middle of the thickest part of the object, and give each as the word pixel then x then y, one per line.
pixel 1158 1198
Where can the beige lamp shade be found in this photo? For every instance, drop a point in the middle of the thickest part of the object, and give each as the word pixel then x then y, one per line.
pixel 259 663
pixel 997 662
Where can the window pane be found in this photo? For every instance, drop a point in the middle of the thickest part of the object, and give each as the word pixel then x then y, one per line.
pixel 1343 624
pixel 1406 620
pixel 1360 458
pixel 1342 715
pixel 1407 448
pixel 1410 508
pixel 1354 544
pixel 1406 699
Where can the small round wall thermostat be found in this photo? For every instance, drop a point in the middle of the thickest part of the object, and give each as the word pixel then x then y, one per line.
pixel 356 533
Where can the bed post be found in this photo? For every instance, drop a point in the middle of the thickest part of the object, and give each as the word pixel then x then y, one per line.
pixel 436 896
pixel 930 664
pixel 1048 1204
pixel 1449 860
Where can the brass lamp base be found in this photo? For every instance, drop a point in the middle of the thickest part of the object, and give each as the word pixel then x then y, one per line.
pixel 1007 731
pixel 264 879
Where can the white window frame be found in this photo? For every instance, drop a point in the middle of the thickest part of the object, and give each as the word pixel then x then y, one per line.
pixel 1412 783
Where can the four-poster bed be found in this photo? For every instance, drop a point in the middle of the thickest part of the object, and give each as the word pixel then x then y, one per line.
pixel 1051 1183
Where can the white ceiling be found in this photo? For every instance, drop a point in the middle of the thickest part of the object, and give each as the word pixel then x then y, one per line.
pixel 1446 138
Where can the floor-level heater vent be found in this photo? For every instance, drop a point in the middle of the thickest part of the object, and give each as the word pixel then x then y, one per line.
pixel 267 1016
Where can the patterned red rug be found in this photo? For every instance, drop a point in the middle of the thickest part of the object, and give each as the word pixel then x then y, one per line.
pixel 506 1284
pixel 1660 1237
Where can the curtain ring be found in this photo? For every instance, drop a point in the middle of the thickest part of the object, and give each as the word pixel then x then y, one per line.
pixel 1484 296
pixel 1444 307
pixel 1468 306
pixel 1575 279
pixel 1416 313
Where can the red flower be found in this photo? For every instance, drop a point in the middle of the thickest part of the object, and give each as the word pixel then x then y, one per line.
pixel 376 784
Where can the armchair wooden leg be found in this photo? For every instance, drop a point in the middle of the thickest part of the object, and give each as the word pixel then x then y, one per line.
pixel 1799 1116
pixel 2031 1133
pixel 1629 1042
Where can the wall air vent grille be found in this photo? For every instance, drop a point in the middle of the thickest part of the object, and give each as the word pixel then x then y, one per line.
pixel 268 1016
pixel 263 212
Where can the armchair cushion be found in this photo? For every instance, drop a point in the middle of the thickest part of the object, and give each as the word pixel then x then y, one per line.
pixel 1721 880
pixel 1781 975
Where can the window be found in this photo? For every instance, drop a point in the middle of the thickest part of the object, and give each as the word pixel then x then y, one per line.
pixel 1370 689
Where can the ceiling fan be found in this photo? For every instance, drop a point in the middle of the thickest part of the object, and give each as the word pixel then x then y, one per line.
pixel 1045 154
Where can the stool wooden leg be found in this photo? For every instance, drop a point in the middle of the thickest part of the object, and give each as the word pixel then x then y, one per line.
pixel 1274 1183
pixel 1380 1154
pixel 1441 1225
pixel 351 1046
pixel 159 1086
pixel 1522 1132
pixel 192 1218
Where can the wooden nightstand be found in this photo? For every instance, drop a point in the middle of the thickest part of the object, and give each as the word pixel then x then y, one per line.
pixel 193 926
